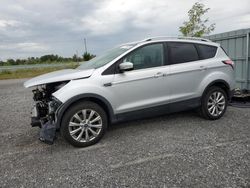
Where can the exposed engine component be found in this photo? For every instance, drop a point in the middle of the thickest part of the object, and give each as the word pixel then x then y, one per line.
pixel 45 104
pixel 43 93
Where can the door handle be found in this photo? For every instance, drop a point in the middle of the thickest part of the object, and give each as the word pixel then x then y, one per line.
pixel 159 74
pixel 202 68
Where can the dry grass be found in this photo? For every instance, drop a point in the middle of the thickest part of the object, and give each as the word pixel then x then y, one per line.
pixel 27 73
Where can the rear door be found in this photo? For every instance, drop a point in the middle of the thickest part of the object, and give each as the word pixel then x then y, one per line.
pixel 186 70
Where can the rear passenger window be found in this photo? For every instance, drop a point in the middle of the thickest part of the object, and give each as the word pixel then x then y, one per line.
pixel 182 52
pixel 206 51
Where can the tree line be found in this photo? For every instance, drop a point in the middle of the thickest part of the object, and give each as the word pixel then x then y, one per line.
pixel 50 58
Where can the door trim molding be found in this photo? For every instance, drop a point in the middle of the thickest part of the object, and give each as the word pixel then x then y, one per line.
pixel 132 80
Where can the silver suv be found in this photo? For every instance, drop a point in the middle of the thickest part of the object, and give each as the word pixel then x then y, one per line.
pixel 140 79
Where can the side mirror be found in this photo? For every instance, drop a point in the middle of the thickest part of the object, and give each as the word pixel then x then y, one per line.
pixel 126 66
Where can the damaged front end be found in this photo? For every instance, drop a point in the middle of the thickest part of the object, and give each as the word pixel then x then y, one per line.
pixel 44 110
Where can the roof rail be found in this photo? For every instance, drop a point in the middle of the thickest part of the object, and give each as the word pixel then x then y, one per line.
pixel 178 37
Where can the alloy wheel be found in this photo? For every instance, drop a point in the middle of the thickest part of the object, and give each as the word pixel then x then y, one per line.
pixel 216 103
pixel 85 125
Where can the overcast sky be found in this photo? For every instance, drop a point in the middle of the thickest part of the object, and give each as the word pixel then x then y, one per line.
pixel 38 27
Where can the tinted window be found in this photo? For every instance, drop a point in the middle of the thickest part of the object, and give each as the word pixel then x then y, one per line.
pixel 206 51
pixel 182 52
pixel 146 57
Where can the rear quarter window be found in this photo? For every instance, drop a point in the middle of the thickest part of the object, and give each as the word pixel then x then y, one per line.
pixel 206 51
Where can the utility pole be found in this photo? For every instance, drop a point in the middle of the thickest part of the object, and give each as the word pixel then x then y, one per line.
pixel 77 56
pixel 85 45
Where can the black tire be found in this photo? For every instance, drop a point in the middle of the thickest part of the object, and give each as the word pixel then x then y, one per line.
pixel 78 108
pixel 204 108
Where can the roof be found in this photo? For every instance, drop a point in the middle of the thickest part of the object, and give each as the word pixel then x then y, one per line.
pixel 172 38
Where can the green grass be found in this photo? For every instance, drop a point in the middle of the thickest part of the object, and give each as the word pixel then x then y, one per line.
pixel 27 73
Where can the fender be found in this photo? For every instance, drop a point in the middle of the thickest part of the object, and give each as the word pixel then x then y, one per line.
pixel 219 81
pixel 60 112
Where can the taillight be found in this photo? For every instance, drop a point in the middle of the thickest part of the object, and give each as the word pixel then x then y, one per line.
pixel 229 62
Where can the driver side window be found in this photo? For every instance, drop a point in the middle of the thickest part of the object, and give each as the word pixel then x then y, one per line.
pixel 146 57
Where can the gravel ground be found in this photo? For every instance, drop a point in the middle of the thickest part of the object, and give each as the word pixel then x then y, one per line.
pixel 177 150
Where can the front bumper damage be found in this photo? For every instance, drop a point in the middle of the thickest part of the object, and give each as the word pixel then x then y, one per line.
pixel 41 112
pixel 43 115
pixel 44 110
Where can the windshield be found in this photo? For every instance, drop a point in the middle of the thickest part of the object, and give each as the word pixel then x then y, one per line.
pixel 105 58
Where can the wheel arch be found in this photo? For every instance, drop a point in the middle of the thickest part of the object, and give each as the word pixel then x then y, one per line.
pixel 86 97
pixel 219 83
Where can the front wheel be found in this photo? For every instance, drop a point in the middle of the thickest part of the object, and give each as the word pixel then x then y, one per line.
pixel 214 103
pixel 84 124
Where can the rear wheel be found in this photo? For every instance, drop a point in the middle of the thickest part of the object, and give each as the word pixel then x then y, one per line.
pixel 84 124
pixel 214 103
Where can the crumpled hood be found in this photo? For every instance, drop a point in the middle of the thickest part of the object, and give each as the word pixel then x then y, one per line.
pixel 57 76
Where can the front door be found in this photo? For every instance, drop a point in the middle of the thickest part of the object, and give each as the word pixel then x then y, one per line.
pixel 145 86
